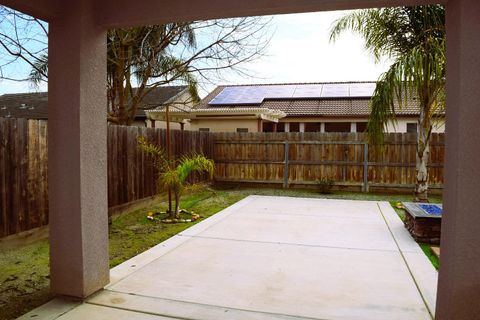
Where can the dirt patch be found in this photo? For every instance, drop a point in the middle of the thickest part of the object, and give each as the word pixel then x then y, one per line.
pixel 24 279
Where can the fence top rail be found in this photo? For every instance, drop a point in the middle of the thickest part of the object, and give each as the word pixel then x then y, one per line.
pixel 315 142
pixel 289 142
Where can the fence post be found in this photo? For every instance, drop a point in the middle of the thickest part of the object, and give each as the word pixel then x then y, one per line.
pixel 285 172
pixel 365 167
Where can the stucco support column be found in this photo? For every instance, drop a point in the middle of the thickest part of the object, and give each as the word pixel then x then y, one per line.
pixel 301 127
pixel 353 127
pixel 77 155
pixel 459 278
pixel 287 126
pixel 322 127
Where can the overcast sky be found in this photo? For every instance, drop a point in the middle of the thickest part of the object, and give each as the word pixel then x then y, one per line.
pixel 300 51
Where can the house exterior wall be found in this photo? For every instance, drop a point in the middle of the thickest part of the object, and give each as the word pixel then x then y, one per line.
pixel 401 125
pixel 224 125
pixel 227 125
pixel 173 125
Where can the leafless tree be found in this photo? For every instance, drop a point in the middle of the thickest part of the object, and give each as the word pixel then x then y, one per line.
pixel 143 58
pixel 23 42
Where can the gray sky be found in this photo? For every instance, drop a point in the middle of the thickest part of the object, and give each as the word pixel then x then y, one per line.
pixel 300 51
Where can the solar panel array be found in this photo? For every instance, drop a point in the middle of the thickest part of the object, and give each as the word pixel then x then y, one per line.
pixel 245 95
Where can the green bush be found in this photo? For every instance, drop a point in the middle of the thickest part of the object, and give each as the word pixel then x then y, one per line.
pixel 325 185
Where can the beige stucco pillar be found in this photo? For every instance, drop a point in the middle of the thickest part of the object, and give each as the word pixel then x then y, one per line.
pixel 77 152
pixel 459 278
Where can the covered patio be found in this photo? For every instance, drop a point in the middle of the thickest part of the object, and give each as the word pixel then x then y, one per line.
pixel 273 258
pixel 77 132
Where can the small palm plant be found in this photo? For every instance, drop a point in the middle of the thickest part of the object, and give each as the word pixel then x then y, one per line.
pixel 173 177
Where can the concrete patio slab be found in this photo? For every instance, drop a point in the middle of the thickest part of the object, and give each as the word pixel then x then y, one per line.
pixel 277 258
pixel 91 311
pixel 311 230
pixel 295 280
pixel 51 310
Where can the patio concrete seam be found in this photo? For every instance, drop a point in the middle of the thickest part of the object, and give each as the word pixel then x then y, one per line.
pixel 407 265
pixel 223 214
pixel 287 243
pixel 310 215
pixel 42 312
pixel 140 311
pixel 287 316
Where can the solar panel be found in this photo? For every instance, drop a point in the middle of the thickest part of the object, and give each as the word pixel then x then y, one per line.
pixel 336 90
pixel 308 91
pixel 279 91
pixel 360 90
pixel 238 95
pixel 256 94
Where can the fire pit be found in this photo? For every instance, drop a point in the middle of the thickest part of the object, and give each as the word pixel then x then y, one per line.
pixel 423 221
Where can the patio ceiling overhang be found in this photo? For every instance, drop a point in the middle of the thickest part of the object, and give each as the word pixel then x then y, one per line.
pixel 188 10
pixel 218 114
pixel 122 13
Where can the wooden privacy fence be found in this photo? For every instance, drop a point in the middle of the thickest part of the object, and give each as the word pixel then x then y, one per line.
pixel 286 159
pixel 131 173
pixel 304 158
pixel 23 175
pixel 23 168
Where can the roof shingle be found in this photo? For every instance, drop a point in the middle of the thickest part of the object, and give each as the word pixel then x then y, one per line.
pixel 315 107
pixel 35 105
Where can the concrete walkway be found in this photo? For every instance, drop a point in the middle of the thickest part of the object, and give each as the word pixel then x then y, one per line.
pixel 272 258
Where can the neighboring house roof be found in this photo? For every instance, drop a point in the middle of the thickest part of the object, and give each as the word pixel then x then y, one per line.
pixel 271 96
pixel 158 97
pixel 24 105
pixel 35 105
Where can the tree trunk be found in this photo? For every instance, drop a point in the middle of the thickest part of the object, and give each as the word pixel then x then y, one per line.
pixel 423 150
pixel 177 205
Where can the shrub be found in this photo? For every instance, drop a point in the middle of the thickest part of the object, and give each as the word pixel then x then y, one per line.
pixel 325 185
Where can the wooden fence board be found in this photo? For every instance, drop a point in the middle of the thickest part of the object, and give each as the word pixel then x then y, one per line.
pixel 24 168
pixel 239 157
pixel 259 157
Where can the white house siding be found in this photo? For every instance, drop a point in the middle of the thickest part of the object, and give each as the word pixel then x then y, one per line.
pixel 224 125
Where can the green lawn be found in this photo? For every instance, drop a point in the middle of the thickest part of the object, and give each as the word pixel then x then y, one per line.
pixel 24 273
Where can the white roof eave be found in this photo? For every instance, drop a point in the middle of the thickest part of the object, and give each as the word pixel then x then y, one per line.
pixel 254 113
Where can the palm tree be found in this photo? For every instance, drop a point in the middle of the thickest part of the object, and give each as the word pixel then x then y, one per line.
pixel 171 177
pixel 174 178
pixel 145 54
pixel 414 39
